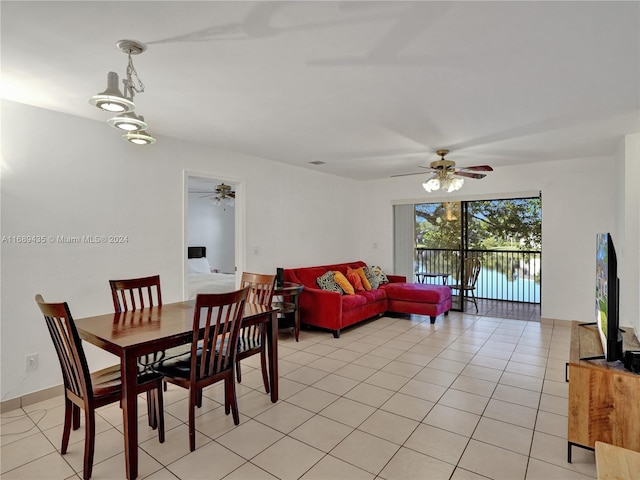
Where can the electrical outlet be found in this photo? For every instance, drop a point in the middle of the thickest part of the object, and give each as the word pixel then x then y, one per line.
pixel 31 362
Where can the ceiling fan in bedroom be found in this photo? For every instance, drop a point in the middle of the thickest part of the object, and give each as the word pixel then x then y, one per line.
pixel 446 176
pixel 222 195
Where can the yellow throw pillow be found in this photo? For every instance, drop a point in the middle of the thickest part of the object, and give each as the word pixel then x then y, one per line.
pixel 363 277
pixel 341 280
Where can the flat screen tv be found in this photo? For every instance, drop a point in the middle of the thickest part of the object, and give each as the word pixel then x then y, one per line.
pixel 608 297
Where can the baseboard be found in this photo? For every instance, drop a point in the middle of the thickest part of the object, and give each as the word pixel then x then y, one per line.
pixel 31 398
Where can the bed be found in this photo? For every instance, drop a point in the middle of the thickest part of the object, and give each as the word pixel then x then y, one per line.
pixel 200 278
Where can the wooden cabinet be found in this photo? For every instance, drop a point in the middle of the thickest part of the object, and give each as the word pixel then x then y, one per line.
pixel 604 398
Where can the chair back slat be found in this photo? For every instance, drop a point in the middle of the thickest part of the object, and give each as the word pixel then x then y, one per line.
pixel 68 346
pixel 222 314
pixel 261 287
pixel 136 293
pixel 261 293
pixel 472 268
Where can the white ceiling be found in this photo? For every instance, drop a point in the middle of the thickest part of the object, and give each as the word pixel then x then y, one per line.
pixel 370 88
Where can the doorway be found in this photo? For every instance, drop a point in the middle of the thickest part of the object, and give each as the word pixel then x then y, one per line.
pixel 219 227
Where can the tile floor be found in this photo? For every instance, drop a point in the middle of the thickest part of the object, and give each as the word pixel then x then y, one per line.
pixel 471 397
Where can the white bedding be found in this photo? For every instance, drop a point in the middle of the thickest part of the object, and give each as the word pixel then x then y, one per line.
pixel 209 283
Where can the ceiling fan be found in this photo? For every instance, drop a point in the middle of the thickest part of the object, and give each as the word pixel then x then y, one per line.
pixel 222 194
pixel 446 176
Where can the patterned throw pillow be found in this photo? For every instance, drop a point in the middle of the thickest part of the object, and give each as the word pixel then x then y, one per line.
pixel 326 282
pixel 363 278
pixel 354 279
pixel 341 280
pixel 373 279
pixel 380 274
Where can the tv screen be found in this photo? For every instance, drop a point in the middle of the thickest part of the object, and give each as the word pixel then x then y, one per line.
pixel 607 315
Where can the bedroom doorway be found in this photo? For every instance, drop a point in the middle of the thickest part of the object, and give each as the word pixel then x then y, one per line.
pixel 213 233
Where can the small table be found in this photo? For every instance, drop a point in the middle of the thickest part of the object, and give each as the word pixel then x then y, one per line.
pixel 422 276
pixel 289 293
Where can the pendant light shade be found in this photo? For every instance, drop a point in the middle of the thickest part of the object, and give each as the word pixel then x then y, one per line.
pixel 129 122
pixel 139 138
pixel 112 100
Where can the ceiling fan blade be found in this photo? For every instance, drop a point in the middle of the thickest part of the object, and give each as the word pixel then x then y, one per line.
pixel 470 174
pixel 407 174
pixel 477 168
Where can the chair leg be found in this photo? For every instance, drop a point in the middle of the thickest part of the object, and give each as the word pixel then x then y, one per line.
pixel 152 412
pixel 232 399
pixel 475 302
pixel 75 424
pixel 89 442
pixel 159 411
pixel 193 393
pixel 66 429
pixel 238 373
pixel 263 366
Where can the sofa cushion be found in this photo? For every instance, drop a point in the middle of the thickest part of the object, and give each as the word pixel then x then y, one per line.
pixel 373 279
pixel 374 295
pixel 417 292
pixel 308 276
pixel 363 278
pixel 349 302
pixel 380 274
pixel 327 282
pixel 354 280
pixel 341 280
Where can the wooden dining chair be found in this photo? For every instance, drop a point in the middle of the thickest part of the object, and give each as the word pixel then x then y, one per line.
pixel 253 337
pixel 217 318
pixel 85 390
pixel 135 294
pixel 467 285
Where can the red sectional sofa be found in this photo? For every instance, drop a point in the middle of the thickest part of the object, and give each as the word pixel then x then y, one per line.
pixel 335 311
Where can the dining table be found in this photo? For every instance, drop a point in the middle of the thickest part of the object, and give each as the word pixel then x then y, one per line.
pixel 136 333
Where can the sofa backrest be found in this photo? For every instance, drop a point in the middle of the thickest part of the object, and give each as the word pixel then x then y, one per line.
pixel 308 275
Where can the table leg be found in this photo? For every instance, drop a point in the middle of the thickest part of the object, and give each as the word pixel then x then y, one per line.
pixel 129 372
pixel 272 343
pixel 296 317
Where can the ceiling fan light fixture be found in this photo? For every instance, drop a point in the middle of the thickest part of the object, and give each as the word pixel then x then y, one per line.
pixel 128 121
pixel 112 99
pixel 431 185
pixel 229 201
pixel 139 138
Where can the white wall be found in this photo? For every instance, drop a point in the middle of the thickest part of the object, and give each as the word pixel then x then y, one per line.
pixel 578 201
pixel 54 183
pixel 212 226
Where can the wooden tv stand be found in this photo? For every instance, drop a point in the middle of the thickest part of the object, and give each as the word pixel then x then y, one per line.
pixel 604 397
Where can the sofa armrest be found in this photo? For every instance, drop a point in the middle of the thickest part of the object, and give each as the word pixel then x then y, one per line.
pixel 397 278
pixel 321 308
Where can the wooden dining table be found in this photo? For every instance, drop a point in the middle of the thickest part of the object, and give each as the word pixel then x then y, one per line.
pixel 133 334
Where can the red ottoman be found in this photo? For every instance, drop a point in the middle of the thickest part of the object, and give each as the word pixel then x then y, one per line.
pixel 418 298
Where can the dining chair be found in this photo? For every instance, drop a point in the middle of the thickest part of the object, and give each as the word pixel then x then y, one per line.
pixel 217 318
pixel 472 268
pixel 252 338
pixel 134 294
pixel 86 390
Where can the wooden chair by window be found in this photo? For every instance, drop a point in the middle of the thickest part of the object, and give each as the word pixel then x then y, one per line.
pixel 467 285
pixel 253 337
pixel 89 390
pixel 213 355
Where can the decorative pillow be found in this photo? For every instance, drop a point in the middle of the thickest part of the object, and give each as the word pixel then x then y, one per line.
pixel 354 279
pixel 380 274
pixel 363 278
pixel 199 265
pixel 341 280
pixel 373 279
pixel 326 282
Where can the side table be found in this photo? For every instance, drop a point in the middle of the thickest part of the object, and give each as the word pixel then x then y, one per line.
pixel 422 276
pixel 287 303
